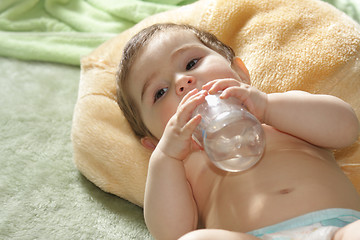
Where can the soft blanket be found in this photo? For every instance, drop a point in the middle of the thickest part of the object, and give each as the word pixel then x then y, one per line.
pixel 64 31
pixel 286 44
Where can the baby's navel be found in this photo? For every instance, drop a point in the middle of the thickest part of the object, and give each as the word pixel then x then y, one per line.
pixel 286 190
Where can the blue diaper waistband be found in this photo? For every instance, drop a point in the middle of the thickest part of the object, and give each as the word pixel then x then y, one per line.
pixel 338 217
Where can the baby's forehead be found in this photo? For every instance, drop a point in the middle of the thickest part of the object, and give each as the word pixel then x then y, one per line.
pixel 162 43
pixel 169 39
pixel 169 35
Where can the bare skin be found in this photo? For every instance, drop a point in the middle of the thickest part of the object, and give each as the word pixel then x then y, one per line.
pixel 312 181
pixel 184 191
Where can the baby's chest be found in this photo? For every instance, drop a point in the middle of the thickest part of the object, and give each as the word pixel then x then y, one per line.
pixel 203 174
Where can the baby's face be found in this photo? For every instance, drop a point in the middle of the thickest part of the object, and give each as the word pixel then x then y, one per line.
pixel 166 69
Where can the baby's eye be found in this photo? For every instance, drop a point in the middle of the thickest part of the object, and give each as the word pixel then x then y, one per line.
pixel 191 64
pixel 160 93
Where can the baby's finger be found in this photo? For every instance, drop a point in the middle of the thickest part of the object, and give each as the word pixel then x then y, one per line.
pixel 195 145
pixel 253 99
pixel 186 109
pixel 222 84
pixel 190 126
pixel 194 96
pixel 188 95
pixel 208 85
pixel 241 92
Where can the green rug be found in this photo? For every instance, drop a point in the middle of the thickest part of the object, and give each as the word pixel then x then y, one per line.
pixel 42 194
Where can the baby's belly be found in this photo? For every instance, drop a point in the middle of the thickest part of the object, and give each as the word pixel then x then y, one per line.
pixel 284 184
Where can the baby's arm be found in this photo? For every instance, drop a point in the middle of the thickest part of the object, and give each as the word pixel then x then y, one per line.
pixel 323 120
pixel 169 207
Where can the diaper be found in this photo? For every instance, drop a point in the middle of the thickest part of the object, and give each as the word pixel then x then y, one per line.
pixel 319 225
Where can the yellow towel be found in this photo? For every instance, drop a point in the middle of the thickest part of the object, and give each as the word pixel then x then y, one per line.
pixel 286 44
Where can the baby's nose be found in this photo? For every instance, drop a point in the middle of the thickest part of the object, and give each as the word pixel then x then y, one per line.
pixel 185 84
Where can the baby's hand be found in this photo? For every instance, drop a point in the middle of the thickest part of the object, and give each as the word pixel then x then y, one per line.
pixel 252 98
pixel 177 141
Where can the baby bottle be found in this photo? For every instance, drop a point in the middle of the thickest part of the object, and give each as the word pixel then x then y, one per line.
pixel 231 136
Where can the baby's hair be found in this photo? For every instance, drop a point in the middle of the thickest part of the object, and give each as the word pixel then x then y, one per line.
pixel 132 49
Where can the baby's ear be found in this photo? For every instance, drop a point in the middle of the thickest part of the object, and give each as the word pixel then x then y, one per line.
pixel 148 143
pixel 240 68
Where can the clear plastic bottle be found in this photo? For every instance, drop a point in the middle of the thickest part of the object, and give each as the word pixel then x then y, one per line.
pixel 232 137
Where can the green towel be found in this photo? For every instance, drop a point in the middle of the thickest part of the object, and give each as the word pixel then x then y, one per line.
pixel 65 30
pixel 350 7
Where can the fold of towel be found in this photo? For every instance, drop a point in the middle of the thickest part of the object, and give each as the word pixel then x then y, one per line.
pixel 65 31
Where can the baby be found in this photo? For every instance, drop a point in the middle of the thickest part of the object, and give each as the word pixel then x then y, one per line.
pixel 295 191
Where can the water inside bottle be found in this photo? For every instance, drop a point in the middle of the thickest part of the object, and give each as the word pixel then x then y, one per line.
pixel 234 141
